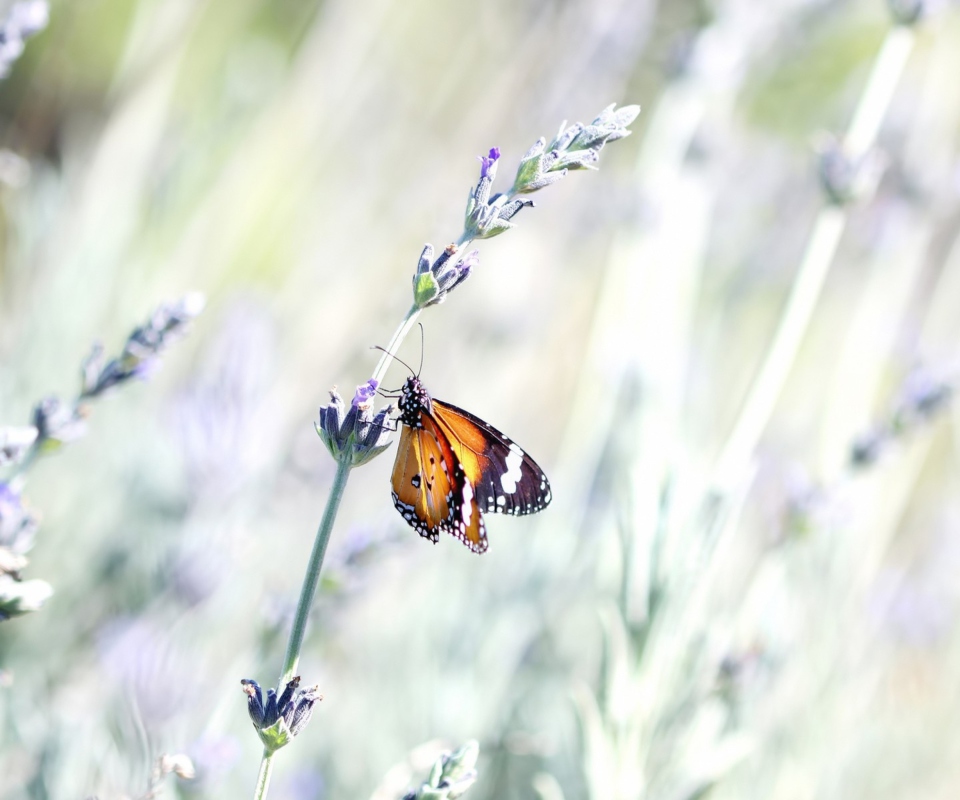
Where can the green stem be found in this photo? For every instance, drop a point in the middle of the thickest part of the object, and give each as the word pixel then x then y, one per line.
pixel 312 577
pixel 263 779
pixel 395 342
pixel 307 592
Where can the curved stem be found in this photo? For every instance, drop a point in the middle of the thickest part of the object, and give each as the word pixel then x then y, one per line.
pixel 312 577
pixel 263 779
pixel 395 342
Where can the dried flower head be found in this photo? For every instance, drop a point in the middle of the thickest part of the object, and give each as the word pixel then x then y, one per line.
pixel 451 776
pixel 433 280
pixel 355 434
pixel 279 719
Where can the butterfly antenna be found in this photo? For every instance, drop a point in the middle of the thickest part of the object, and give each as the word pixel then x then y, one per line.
pixel 395 357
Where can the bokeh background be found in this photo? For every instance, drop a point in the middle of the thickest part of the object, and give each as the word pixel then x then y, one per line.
pixel 771 618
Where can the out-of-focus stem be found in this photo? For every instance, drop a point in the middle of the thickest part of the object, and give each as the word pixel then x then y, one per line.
pixel 786 342
pixel 398 337
pixel 878 92
pixel 821 248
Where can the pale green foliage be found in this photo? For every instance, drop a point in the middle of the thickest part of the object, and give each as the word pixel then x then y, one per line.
pixel 784 629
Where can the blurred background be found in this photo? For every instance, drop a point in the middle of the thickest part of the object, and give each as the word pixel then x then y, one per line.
pixel 746 583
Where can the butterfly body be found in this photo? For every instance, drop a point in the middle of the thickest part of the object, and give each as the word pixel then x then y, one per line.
pixel 452 466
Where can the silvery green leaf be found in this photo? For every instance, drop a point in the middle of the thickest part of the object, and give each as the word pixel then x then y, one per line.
pixel 495 228
pixel 536 149
pixel 529 170
pixel 542 181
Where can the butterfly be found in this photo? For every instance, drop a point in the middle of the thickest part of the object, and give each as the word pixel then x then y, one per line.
pixel 452 467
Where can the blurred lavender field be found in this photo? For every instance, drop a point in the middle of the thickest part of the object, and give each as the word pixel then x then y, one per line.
pixel 732 349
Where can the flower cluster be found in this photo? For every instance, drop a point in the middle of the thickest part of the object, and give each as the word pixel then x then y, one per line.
pixel 487 215
pixel 140 356
pixel 279 719
pixel 356 434
pixel 576 147
pixel 451 776
pixel 434 279
pixel 17 531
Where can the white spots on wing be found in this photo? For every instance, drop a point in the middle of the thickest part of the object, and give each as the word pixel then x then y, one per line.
pixel 468 504
pixel 510 478
pixel 502 500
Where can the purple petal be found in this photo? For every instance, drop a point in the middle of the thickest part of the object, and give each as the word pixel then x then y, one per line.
pixel 365 391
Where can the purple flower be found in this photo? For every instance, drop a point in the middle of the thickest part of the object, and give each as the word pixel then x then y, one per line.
pixel 487 162
pixel 365 392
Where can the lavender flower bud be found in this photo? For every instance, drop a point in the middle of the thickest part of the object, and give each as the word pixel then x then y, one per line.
pixel 451 776
pixel 21 597
pixel 254 701
pixel 356 435
pixel 575 147
pixel 17 526
pixel 868 447
pixel 283 718
pixel 58 423
pixel 846 179
pixel 906 12
pixel 141 353
pixel 14 443
pixel 433 281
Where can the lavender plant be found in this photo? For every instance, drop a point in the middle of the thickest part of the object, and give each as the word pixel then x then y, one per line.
pixel 23 19
pixel 665 718
pixel 56 423
pixel 356 435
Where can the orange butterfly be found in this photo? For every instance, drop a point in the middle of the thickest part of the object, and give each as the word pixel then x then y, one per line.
pixel 451 467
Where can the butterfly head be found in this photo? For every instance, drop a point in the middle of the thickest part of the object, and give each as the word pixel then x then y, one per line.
pixel 414 399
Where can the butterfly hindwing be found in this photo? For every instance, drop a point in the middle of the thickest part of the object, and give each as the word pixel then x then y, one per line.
pixel 505 479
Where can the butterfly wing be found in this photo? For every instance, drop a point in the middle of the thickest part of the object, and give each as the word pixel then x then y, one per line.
pixel 423 481
pixel 504 479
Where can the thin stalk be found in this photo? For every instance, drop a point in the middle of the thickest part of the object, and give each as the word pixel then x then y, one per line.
pixel 263 779
pixel 307 592
pixel 395 342
pixel 860 137
pixel 312 577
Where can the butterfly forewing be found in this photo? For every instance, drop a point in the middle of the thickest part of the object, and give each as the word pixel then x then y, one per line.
pixel 423 486
pixel 506 480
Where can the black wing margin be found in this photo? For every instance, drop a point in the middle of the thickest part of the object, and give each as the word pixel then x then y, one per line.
pixel 506 480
